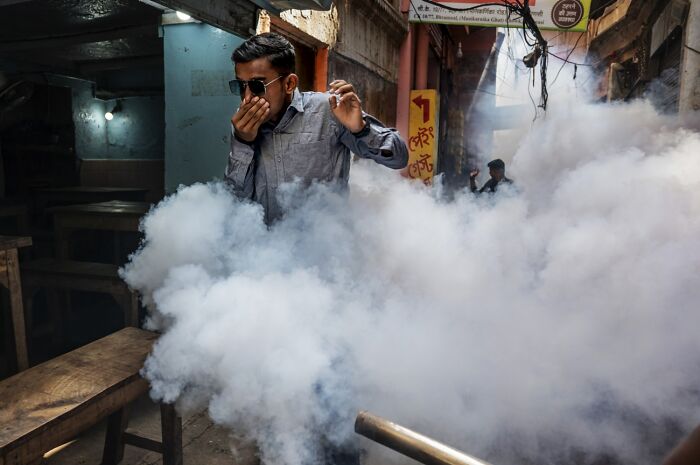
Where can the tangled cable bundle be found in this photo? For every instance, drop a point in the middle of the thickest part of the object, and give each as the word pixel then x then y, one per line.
pixel 517 10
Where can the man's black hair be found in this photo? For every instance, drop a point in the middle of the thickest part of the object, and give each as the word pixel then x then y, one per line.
pixel 497 164
pixel 269 45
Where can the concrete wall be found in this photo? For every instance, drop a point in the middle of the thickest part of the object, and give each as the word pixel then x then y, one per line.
pixel 136 132
pixel 377 93
pixel 690 68
pixel 366 53
pixel 370 36
pixel 321 25
pixel 198 103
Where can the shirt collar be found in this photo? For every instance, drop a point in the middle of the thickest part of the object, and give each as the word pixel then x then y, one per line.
pixel 298 105
pixel 297 101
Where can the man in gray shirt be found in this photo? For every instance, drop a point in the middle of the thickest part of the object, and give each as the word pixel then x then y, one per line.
pixel 281 134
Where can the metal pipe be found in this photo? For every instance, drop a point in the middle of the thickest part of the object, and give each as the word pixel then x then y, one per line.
pixel 410 443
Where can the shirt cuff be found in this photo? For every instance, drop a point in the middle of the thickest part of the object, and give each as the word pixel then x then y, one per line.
pixel 243 141
pixel 364 131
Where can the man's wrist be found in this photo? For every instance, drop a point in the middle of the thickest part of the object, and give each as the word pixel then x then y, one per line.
pixel 242 140
pixel 363 131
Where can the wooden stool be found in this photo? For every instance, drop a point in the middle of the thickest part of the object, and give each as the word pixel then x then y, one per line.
pixel 67 275
pixel 50 404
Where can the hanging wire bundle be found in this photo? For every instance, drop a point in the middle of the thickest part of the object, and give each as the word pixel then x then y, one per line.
pixel 517 10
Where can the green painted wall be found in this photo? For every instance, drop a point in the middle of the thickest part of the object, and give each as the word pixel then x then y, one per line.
pixel 198 103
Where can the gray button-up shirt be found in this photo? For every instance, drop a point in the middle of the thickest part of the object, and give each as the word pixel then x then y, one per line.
pixel 308 144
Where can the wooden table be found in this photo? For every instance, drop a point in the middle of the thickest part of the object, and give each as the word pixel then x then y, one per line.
pixel 10 278
pixel 91 194
pixel 55 196
pixel 115 216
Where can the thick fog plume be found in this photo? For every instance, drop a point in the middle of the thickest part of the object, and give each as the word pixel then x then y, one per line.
pixel 556 322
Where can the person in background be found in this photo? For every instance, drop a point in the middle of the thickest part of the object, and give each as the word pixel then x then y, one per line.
pixel 497 170
pixel 281 134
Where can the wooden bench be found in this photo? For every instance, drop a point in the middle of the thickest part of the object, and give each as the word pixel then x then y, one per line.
pixel 51 403
pixel 69 275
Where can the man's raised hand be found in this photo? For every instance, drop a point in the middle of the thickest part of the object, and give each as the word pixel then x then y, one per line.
pixel 346 105
pixel 249 117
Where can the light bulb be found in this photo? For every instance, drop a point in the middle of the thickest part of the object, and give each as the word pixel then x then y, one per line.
pixel 109 116
pixel 183 16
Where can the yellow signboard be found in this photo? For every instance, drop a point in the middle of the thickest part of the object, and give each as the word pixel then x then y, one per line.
pixel 422 134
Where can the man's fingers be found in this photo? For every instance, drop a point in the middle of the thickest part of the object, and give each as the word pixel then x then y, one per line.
pixel 251 112
pixel 256 117
pixel 344 89
pixel 247 104
pixel 349 97
pixel 241 112
pixel 335 84
pixel 259 115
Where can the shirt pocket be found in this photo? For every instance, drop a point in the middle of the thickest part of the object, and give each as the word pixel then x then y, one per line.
pixel 310 161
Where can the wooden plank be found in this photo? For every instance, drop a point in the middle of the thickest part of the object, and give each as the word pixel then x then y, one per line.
pixel 143 443
pixel 34 282
pixel 110 221
pixel 3 269
pixel 85 382
pixel 71 268
pixel 113 207
pixel 14 242
pixel 14 285
pixel 61 42
pixel 13 210
pixel 67 427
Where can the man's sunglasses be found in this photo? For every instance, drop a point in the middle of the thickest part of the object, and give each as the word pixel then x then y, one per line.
pixel 256 87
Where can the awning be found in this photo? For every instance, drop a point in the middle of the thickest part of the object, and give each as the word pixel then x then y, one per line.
pixel 276 6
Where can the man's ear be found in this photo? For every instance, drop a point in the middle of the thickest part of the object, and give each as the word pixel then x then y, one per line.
pixel 291 83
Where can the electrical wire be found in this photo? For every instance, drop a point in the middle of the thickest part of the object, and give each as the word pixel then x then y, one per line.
pixel 519 10
pixel 532 35
pixel 566 60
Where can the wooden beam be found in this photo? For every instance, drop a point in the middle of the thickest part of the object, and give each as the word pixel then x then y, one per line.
pixel 235 16
pixel 76 39
pixel 143 443
pixel 292 32
pixel 12 2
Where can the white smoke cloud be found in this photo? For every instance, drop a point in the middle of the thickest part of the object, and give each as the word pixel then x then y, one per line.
pixel 556 322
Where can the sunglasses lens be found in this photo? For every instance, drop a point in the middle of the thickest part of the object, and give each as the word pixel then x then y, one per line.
pixel 256 87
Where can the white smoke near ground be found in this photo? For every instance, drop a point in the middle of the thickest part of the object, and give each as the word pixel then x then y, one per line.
pixel 555 322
